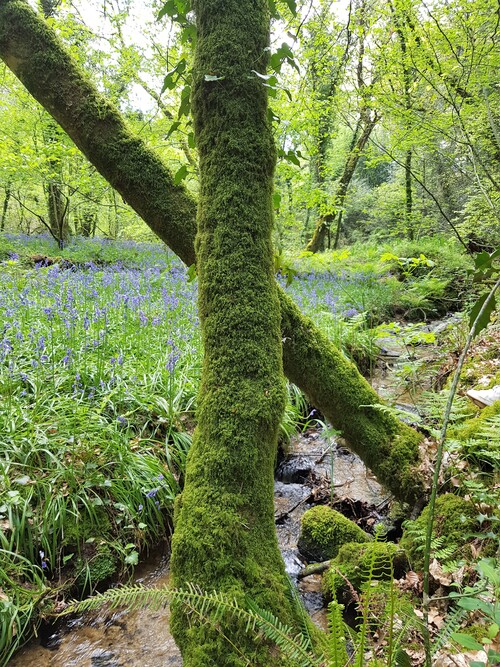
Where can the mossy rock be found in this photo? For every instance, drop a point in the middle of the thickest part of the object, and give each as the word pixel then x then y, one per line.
pixel 470 428
pixel 95 565
pixel 454 520
pixel 324 531
pixel 359 563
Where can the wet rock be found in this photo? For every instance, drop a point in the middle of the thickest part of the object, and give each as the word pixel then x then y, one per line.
pixel 104 659
pixel 295 470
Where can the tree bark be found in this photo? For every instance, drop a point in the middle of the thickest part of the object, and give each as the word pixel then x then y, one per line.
pixel 5 207
pixel 224 536
pixel 32 51
pixel 365 124
pixel 409 196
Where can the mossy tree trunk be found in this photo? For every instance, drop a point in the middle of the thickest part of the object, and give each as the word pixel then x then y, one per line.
pixel 5 207
pixel 224 537
pixel 32 51
pixel 322 232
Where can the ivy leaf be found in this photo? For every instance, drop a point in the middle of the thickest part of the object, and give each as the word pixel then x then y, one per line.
pixel 486 316
pixel 180 175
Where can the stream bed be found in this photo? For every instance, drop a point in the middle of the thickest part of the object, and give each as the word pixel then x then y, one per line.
pixel 141 638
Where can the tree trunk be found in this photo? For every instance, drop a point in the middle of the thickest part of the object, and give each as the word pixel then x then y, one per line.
pixel 409 196
pixel 224 536
pixel 30 48
pixel 5 206
pixel 324 224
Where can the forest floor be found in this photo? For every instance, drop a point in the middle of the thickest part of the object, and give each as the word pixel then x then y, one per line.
pixel 99 365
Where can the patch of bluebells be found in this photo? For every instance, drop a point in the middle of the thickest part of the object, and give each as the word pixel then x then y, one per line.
pixel 100 327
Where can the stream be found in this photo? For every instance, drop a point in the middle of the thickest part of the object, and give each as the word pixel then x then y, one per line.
pixel 316 469
pixel 141 638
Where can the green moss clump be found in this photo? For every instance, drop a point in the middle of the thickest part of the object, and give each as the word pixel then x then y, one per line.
pixel 99 527
pixel 469 429
pixel 358 563
pixel 95 565
pixel 454 520
pixel 324 531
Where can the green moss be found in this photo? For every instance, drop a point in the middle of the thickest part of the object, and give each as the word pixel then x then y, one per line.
pixel 468 429
pixel 97 527
pixel 224 536
pixel 454 520
pixel 359 563
pixel 324 531
pixel 97 564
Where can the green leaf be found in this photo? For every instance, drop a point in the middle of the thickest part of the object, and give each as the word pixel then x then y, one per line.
pixel 181 174
pixel 191 140
pixel 402 658
pixel 487 568
pixel 273 10
pixel 132 558
pixel 292 6
pixel 185 105
pixel 168 9
pixel 466 641
pixel 486 316
pixel 191 273
pixel 213 77
pixel 175 126
pixel 276 200
pixel 67 558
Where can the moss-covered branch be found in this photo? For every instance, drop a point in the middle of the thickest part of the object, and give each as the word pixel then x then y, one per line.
pixel 32 50
pixel 35 55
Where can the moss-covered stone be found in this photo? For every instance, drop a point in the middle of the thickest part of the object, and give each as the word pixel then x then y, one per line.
pixel 454 520
pixel 323 531
pixel 359 563
pixel 467 430
pixel 96 564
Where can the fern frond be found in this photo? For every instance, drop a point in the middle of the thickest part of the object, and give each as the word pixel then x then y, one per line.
pixel 303 616
pixel 337 652
pixel 212 607
pixel 452 624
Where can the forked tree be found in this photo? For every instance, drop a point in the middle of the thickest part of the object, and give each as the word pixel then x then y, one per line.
pixel 224 537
